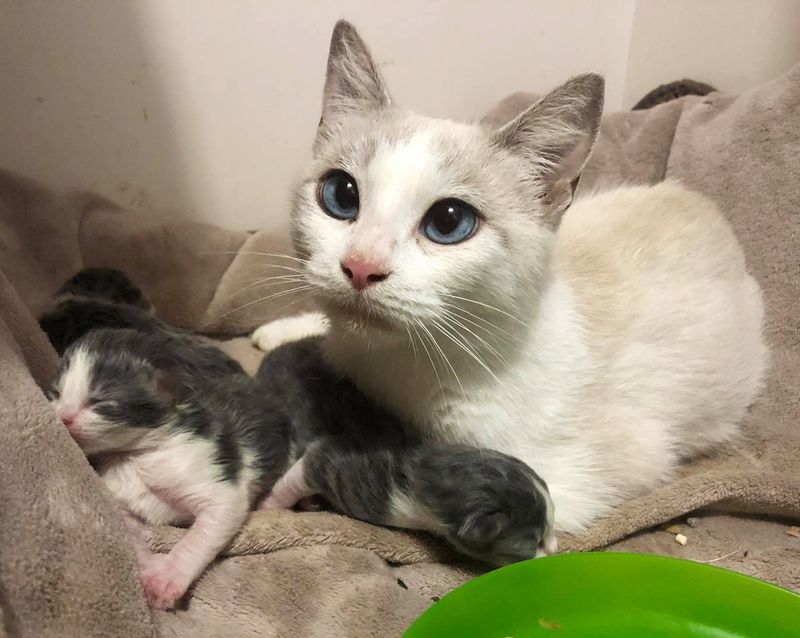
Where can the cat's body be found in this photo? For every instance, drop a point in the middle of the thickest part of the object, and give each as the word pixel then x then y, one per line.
pixel 601 349
pixel 640 354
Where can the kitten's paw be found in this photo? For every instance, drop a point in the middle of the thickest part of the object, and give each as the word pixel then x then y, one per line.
pixel 548 546
pixel 273 501
pixel 164 584
pixel 310 504
pixel 276 333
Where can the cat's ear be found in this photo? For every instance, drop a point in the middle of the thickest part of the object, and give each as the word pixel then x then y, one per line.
pixel 556 135
pixel 353 82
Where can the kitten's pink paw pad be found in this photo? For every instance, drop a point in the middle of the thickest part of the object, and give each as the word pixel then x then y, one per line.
pixel 163 585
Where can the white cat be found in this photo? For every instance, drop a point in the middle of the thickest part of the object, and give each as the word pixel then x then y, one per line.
pixel 602 348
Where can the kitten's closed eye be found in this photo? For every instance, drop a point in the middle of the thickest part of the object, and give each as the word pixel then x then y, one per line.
pixel 95 401
pixel 53 393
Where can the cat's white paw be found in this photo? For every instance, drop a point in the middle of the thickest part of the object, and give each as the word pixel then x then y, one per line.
pixel 276 333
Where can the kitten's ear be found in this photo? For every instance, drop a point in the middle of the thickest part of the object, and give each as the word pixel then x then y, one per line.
pixel 556 136
pixel 483 529
pixel 167 387
pixel 353 82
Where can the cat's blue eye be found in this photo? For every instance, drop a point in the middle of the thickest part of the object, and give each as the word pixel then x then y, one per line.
pixel 338 195
pixel 449 221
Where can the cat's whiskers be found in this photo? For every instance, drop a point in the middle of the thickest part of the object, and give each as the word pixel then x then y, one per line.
pixel 444 356
pixel 282 310
pixel 413 344
pixel 486 325
pixel 430 358
pixel 292 269
pixel 277 279
pixel 262 299
pixel 457 321
pixel 255 252
pixel 463 344
pixel 485 305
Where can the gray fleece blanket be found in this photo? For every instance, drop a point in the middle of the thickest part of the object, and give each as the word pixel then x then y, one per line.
pixel 65 566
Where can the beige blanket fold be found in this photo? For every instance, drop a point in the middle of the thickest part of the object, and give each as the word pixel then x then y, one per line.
pixel 65 565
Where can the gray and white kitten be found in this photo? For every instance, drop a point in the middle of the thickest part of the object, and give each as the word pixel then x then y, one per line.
pixel 179 436
pixel 366 464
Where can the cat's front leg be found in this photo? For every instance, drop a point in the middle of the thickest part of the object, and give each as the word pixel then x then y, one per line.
pixel 276 333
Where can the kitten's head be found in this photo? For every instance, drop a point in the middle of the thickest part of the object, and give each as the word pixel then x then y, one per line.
pixel 491 506
pixel 108 398
pixel 404 219
pixel 108 284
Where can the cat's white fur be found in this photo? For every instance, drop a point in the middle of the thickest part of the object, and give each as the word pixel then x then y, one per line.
pixel 271 335
pixel 602 352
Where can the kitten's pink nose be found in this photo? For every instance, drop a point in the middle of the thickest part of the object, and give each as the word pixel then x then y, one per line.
pixel 362 273
pixel 67 417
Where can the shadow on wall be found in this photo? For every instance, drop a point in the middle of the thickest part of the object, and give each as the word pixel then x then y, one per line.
pixel 78 80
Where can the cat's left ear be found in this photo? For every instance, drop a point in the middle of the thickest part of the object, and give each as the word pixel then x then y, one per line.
pixel 556 136
pixel 353 82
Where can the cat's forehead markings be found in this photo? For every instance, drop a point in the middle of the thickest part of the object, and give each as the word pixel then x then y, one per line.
pixel 403 170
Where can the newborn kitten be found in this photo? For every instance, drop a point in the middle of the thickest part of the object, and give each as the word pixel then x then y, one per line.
pixel 359 458
pixel 177 432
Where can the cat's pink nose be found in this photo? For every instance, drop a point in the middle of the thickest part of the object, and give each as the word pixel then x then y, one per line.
pixel 362 273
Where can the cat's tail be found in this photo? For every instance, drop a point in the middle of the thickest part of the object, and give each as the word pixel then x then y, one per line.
pixel 673 91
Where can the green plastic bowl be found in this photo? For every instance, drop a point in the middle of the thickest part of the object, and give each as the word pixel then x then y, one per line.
pixel 612 595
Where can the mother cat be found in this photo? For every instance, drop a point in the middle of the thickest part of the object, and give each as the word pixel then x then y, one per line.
pixel 601 346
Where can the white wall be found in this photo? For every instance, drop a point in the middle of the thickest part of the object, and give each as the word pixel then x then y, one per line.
pixel 207 108
pixel 732 44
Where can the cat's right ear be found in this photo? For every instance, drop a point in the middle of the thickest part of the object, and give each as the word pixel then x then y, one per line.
pixel 352 83
pixel 555 136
